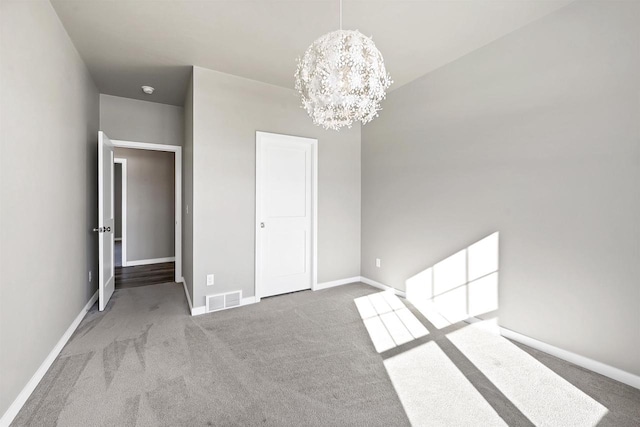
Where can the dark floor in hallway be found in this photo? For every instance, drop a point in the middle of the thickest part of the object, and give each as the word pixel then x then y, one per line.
pixel 141 275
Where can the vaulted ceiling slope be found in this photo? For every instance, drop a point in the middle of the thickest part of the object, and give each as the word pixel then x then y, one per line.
pixel 128 43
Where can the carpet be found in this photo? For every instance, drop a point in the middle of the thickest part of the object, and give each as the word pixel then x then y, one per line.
pixel 304 359
pixel 309 359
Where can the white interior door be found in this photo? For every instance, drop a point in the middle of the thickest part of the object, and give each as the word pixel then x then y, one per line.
pixel 284 213
pixel 106 223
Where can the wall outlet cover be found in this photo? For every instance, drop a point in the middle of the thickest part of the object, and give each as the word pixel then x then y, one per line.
pixel 210 280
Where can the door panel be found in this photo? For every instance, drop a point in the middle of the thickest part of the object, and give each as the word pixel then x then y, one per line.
pixel 286 252
pixel 284 213
pixel 106 220
pixel 286 178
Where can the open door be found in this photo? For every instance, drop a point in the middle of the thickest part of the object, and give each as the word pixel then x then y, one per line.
pixel 106 223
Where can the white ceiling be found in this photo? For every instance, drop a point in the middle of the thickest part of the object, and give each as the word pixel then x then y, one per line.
pixel 128 43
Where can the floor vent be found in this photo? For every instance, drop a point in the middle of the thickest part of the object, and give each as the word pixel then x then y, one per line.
pixel 223 301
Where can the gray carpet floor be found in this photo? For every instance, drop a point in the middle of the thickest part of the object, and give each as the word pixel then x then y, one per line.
pixel 303 359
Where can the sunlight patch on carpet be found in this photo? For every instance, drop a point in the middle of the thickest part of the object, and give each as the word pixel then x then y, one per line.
pixel 434 392
pixel 388 321
pixel 542 395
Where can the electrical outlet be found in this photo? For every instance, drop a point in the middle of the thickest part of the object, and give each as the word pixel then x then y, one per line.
pixel 89 276
pixel 209 279
pixel 378 262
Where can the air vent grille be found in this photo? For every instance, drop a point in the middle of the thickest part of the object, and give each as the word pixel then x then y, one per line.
pixel 223 301
pixel 232 299
pixel 215 302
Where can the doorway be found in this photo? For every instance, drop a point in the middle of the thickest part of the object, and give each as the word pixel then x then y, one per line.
pixel 143 185
pixel 286 214
pixel 145 201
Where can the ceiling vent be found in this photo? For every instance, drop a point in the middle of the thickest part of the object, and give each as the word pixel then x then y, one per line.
pixel 223 301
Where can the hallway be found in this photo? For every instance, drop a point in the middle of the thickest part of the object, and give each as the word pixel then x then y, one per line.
pixel 141 275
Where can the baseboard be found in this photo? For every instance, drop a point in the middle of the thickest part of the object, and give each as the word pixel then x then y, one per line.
pixel 249 300
pixel 19 401
pixel 149 261
pixel 186 292
pixel 590 364
pixel 333 283
pixel 197 311
pixel 382 286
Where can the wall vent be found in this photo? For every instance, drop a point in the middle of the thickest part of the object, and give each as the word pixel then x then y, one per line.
pixel 232 299
pixel 223 301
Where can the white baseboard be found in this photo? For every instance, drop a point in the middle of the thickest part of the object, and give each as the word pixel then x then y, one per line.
pixel 17 404
pixel 149 261
pixel 590 364
pixel 249 300
pixel 382 286
pixel 195 311
pixel 186 292
pixel 333 283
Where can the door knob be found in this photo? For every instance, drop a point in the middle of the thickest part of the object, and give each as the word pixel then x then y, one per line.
pixel 102 229
pixel 262 225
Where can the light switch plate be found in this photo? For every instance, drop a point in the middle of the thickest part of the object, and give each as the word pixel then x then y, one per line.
pixel 378 262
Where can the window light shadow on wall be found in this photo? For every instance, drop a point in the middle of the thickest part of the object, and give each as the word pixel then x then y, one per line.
pixel 461 286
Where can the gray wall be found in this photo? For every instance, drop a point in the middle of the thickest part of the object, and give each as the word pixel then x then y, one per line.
pixel 150 203
pixel 227 111
pixel 48 197
pixel 187 191
pixel 535 136
pixel 117 196
pixel 141 121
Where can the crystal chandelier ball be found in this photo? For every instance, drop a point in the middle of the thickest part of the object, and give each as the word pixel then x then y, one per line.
pixel 342 79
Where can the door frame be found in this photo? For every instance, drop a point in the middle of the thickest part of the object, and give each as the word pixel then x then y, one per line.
pixel 123 208
pixel 177 150
pixel 314 208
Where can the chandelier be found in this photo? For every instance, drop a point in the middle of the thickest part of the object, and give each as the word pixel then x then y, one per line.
pixel 341 79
